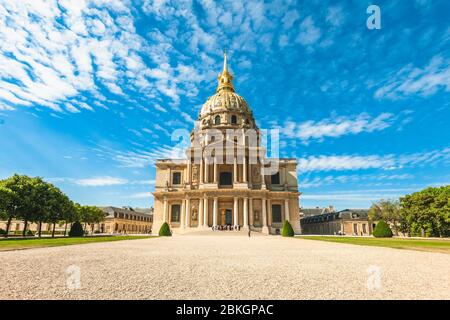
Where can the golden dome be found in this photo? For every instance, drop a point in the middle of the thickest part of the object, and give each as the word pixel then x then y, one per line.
pixel 224 101
pixel 225 98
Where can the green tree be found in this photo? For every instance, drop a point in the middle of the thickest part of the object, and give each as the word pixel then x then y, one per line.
pixel 382 230
pixel 9 201
pixel 427 212
pixel 17 194
pixel 91 215
pixel 164 231
pixel 69 214
pixel 58 205
pixel 287 230
pixel 387 210
pixel 41 201
pixel 76 230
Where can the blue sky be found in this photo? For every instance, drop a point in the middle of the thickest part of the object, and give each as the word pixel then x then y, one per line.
pixel 91 91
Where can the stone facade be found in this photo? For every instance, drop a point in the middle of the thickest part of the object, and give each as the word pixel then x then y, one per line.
pixel 225 179
pixel 346 222
pixel 117 221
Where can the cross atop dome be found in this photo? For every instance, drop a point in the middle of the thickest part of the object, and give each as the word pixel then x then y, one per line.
pixel 225 78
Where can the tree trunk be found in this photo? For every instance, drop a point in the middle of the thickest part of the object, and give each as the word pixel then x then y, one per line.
pixel 25 224
pixel 8 225
pixel 53 231
pixel 40 229
pixel 65 229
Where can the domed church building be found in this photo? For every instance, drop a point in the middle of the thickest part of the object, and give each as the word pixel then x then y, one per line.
pixel 226 182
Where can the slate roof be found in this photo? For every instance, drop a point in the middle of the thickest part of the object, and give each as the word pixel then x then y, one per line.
pixel 347 214
pixel 142 212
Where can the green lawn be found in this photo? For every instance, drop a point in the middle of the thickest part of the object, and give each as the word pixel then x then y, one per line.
pixel 398 243
pixel 28 243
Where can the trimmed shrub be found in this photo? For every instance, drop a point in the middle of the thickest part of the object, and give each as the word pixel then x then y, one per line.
pixel 382 230
pixel 76 230
pixel 287 230
pixel 164 231
pixel 29 233
pixel 2 232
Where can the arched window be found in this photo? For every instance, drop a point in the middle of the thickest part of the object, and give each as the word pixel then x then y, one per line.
pixel 217 120
pixel 233 119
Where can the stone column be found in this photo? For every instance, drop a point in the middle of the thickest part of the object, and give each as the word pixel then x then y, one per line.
pixel 205 212
pixel 263 180
pixel 250 212
pixel 244 169
pixel 188 212
pixel 206 174
pixel 201 170
pixel 269 212
pixel 165 210
pixel 200 213
pixel 265 229
pixel 245 199
pixel 189 171
pixel 215 210
pixel 235 170
pixel 286 209
pixel 215 170
pixel 235 211
pixel 182 215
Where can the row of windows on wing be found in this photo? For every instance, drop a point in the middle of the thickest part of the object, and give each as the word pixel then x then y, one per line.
pixel 225 178
pixel 131 216
pixel 175 214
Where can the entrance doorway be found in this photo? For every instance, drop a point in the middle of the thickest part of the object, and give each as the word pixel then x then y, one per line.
pixel 228 217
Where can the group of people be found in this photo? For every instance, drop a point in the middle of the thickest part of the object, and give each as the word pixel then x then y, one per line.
pixel 227 227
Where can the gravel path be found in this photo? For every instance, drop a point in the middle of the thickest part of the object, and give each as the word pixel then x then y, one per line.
pixel 224 267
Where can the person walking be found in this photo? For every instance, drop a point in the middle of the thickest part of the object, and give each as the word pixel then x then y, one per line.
pixel 249 232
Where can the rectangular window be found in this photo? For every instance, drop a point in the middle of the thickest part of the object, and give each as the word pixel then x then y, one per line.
pixel 275 178
pixel 276 213
pixel 225 179
pixel 364 228
pixel 176 178
pixel 355 228
pixel 175 213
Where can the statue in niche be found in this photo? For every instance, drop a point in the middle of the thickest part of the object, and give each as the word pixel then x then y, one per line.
pixel 194 215
pixel 256 215
pixel 256 174
pixel 194 173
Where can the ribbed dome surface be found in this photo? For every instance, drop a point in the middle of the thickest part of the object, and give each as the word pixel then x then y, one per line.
pixel 224 101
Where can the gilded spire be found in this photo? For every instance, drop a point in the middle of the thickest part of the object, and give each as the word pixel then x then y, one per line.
pixel 225 65
pixel 225 77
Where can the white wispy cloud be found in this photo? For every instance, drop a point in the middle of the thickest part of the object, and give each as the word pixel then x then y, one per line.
pixel 55 51
pixel 335 16
pixel 141 159
pixel 100 181
pixel 358 196
pixel 385 162
pixel 372 179
pixel 309 32
pixel 337 126
pixel 139 195
pixel 411 80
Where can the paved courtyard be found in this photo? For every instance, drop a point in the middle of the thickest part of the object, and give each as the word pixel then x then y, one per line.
pixel 223 267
